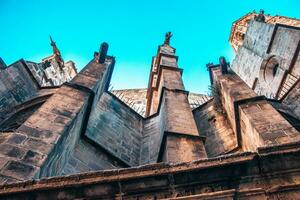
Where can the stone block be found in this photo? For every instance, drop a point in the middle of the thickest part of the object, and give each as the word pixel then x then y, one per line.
pixel 181 148
pixel 12 151
pixel 18 170
pixel 16 138
pixel 34 158
pixel 37 145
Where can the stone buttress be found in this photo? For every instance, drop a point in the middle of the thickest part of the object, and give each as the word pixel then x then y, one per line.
pixel 254 120
pixel 167 96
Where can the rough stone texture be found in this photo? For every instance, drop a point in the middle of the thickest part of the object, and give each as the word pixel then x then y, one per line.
pixel 152 137
pixel 272 173
pixel 136 99
pixel 220 138
pixel 47 138
pixel 16 86
pixel 18 115
pixel 117 129
pixel 166 92
pixel 83 127
pixel 65 112
pixel 183 149
pixel 180 120
pixel 21 82
pixel 292 100
pixel 87 157
pixel 263 42
pixel 255 122
pixel 241 26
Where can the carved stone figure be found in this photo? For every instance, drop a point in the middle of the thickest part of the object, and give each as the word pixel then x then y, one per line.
pixel 167 38
pixel 260 17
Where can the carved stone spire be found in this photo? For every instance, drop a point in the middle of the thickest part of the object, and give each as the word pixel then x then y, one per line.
pixel 167 38
pixel 55 49
pixel 57 54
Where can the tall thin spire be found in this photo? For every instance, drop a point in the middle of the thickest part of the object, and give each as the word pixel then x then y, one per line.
pixel 57 54
pixel 55 49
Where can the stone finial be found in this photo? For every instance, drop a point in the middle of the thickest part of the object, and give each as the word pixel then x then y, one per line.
pixel 261 16
pixel 223 65
pixel 167 38
pixel 103 52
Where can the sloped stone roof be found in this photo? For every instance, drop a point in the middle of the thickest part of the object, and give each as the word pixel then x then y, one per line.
pixel 136 99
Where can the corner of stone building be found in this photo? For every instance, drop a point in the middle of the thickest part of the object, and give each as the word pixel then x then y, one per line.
pixel 52 132
pixel 254 121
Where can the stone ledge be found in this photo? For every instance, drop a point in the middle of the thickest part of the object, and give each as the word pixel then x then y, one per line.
pixel 244 165
pixel 126 174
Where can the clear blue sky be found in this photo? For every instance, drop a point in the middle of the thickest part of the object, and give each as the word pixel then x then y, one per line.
pixel 133 30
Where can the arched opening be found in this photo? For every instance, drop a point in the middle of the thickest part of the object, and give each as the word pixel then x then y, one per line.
pixel 270 69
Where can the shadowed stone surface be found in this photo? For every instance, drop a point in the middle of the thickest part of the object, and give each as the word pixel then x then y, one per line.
pixel 81 141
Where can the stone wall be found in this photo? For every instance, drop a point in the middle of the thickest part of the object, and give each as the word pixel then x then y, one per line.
pixel 70 133
pixel 250 55
pixel 152 137
pixel 171 79
pixel 44 143
pixel 153 132
pixel 247 65
pixel 117 128
pixel 214 126
pixel 182 148
pixel 38 143
pixel 266 62
pixel 179 120
pixel 258 37
pixel 292 100
pixel 16 87
pixel 255 122
pixel 272 173
pixel 87 157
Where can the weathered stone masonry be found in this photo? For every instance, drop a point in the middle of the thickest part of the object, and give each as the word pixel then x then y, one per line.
pixel 83 116
pixel 237 145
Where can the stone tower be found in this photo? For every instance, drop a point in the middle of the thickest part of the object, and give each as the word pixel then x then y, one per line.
pixel 165 92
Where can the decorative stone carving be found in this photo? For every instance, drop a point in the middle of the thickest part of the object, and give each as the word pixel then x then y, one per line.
pixel 167 38
pixel 260 17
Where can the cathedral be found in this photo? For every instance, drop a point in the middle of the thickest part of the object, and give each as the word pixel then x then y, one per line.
pixel 67 135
